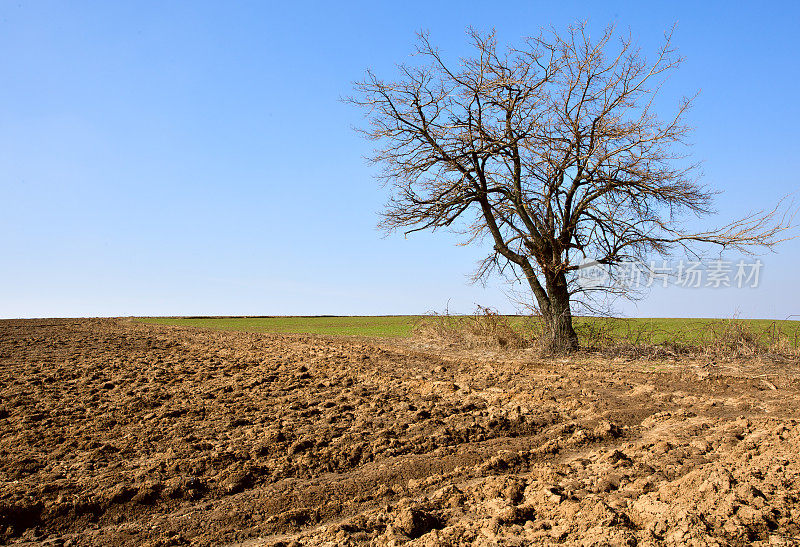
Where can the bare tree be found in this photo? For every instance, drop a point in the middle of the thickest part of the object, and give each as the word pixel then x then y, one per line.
pixel 553 151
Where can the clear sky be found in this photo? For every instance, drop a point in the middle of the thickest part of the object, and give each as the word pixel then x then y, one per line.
pixel 176 158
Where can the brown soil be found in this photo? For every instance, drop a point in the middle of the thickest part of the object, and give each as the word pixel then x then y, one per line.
pixel 121 433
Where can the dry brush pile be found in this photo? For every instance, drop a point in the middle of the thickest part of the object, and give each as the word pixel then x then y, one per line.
pixel 722 340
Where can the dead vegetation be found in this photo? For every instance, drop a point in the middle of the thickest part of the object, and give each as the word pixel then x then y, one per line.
pixel 484 329
pixel 725 340
pixel 734 339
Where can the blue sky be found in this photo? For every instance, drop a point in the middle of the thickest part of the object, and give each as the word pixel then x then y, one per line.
pixel 194 158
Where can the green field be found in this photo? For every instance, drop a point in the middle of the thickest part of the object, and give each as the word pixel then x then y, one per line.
pixel 642 330
pixel 390 325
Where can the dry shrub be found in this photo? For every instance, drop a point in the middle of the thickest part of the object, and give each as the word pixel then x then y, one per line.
pixel 632 339
pixel 621 347
pixel 733 339
pixel 484 329
pixel 595 334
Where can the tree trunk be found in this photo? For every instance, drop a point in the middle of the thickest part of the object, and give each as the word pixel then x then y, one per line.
pixel 563 337
pixel 555 310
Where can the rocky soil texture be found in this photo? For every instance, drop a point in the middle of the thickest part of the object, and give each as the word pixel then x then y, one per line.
pixel 117 433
